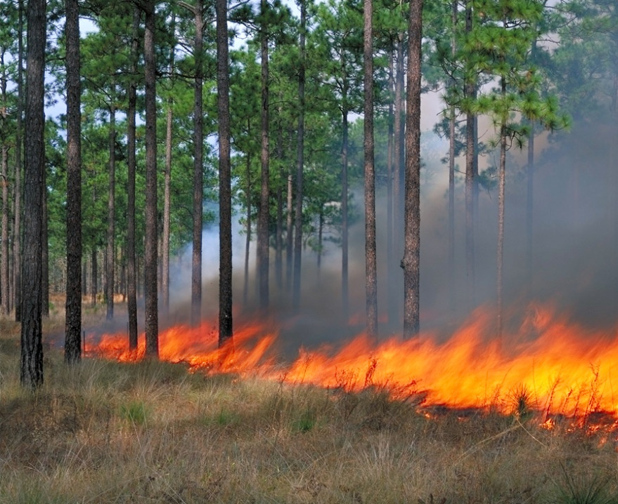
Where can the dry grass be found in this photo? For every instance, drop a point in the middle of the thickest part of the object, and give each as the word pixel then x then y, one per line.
pixel 105 432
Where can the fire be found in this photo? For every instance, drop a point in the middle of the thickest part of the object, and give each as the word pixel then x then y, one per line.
pixel 551 364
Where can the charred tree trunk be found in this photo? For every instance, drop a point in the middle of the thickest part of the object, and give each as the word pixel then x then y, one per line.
pixel 131 266
pixel 150 255
pixel 411 257
pixel 111 211
pixel 371 281
pixel 31 365
pixel 225 181
pixel 198 168
pixel 298 237
pixel 263 214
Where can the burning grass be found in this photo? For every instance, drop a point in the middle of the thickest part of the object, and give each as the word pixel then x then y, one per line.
pixel 110 432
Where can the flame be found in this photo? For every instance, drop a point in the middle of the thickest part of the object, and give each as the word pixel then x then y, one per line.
pixel 548 363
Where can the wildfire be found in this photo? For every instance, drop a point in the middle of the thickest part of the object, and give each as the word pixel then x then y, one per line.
pixel 548 363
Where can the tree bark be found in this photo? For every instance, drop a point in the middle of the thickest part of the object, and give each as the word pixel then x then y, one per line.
pixel 345 283
pixel 94 285
pixel 411 257
pixel 150 255
pixel 225 184
pixel 279 231
pixel 371 282
pixel 264 211
pixel 298 237
pixel 111 210
pixel 4 161
pixel 392 269
pixel 470 92
pixel 289 234
pixel 73 305
pixel 451 172
pixel 31 365
pixel 44 250
pixel 165 256
pixel 501 195
pixel 131 110
pixel 248 230
pixel 198 169
pixel 17 231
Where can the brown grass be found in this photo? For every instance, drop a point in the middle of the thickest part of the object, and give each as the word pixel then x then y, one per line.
pixel 105 432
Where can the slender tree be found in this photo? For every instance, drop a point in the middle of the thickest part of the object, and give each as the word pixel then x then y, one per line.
pixel 131 111
pixel 225 189
pixel 110 249
pixel 73 306
pixel 31 368
pixel 371 281
pixel 264 208
pixel 150 256
pixel 298 212
pixel 411 257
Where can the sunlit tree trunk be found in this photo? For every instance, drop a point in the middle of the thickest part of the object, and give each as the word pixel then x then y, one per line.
pixel 31 365
pixel 248 230
pixel 501 195
pixel 165 240
pixel 371 281
pixel 289 233
pixel 412 246
pixel 151 231
pixel 392 267
pixel 225 183
pixel 4 161
pixel 345 283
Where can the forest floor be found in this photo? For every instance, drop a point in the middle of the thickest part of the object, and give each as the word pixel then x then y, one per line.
pixel 108 432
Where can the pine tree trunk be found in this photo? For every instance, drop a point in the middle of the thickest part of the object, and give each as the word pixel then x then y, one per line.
pixel 111 210
pixel 264 211
pixel 345 283
pixel 131 110
pixel 4 265
pixel 451 174
pixel 412 248
pixel 470 92
pixel 399 166
pixel 73 305
pixel 4 162
pixel 17 231
pixel 225 184
pixel 298 221
pixel 31 365
pixel 501 195
pixel 198 169
pixel 392 267
pixel 165 256
pixel 289 233
pixel 44 250
pixel 150 253
pixel 279 231
pixel 94 285
pixel 248 231
pixel 371 281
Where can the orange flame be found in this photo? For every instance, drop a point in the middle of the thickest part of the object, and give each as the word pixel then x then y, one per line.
pixel 558 367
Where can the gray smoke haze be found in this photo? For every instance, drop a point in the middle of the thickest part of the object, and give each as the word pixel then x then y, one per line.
pixel 574 261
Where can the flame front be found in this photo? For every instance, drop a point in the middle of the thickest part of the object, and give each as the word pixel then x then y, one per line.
pixel 561 367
